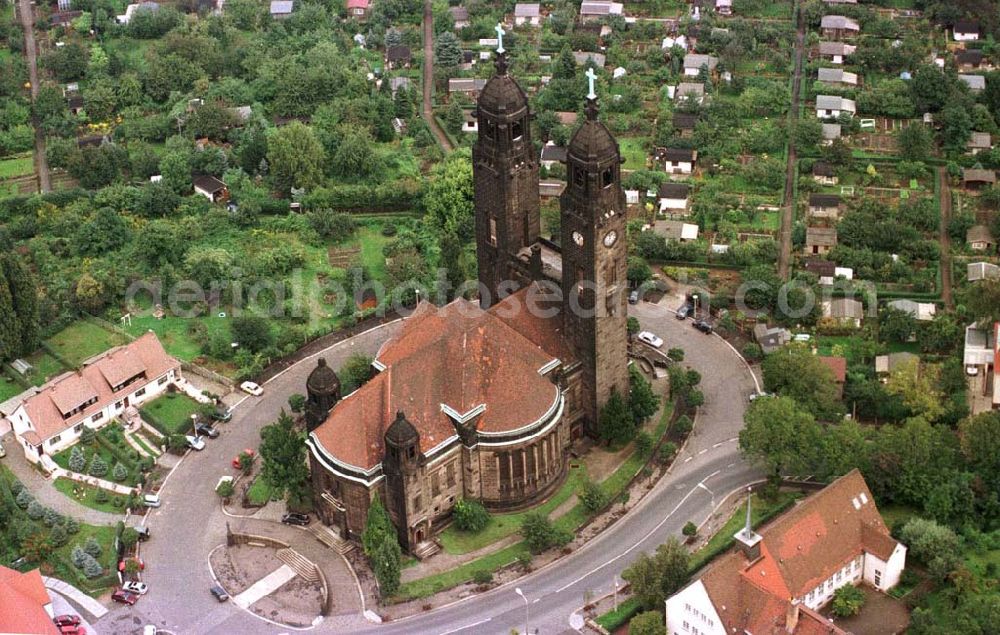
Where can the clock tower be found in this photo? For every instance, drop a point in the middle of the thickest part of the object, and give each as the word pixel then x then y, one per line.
pixel 594 252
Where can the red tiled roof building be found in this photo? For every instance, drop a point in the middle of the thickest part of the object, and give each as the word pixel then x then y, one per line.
pixel 482 401
pixel 25 606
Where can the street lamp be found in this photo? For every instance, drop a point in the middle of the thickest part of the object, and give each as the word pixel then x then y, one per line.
pixel 521 593
pixel 194 424
pixel 616 592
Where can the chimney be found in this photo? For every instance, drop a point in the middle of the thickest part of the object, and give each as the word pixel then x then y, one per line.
pixel 747 538
pixel 536 262
pixel 792 616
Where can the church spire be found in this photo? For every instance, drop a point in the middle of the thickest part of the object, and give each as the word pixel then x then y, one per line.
pixel 748 528
pixel 501 60
pixel 748 539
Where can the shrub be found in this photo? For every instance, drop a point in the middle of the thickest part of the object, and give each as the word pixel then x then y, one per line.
pixel 683 425
pixel 71 525
pixel 51 517
pixel 91 567
pixel 848 600
pixel 58 536
pixel 78 556
pixel 35 510
pixel 690 529
pixel 667 451
pixel 593 497
pixel 389 230
pixel 540 534
pixel 92 547
pixel 470 515
pixel 525 561
pixel 98 467
pixel 101 496
pixel 119 473
pixel 16 487
pixel 225 489
pixel 647 623
pixel 87 435
pixel 695 398
pixel 753 352
pixel 129 537
pixel 643 443
pixel 676 354
pixel 482 577
pixel 24 498
pixel 297 402
pixel 77 460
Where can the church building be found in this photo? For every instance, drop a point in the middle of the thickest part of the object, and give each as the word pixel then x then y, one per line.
pixel 482 400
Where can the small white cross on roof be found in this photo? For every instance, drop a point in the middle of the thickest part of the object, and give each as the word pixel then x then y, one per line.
pixel 500 32
pixel 591 78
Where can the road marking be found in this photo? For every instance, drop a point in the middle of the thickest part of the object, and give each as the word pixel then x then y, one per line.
pixel 700 452
pixel 730 465
pixel 704 487
pixel 643 539
pixel 688 459
pixel 462 628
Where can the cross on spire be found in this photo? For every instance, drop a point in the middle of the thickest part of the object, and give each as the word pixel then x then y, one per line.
pixel 591 78
pixel 500 32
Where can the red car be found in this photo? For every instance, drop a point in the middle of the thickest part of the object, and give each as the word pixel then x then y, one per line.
pixel 66 620
pixel 124 597
pixel 248 452
pixel 72 630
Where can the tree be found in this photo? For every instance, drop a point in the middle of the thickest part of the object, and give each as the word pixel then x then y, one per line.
pixel 386 562
pixel 915 385
pixel 119 473
pixel 355 158
pixel 24 300
pixel 283 453
pixel 642 401
pixel 915 142
pixel 357 370
pixel 447 51
pixel 470 515
pixel 77 461
pixel 225 489
pixel 647 623
pixel 91 567
pixel 540 534
pixel 297 403
pixel 979 438
pixel 638 270
pixel 690 529
pixel 847 601
pixel 956 127
pixel 927 540
pixel 616 423
pixel 454 117
pixel 35 510
pixel 565 64
pixel 98 467
pixel 252 332
pixel 175 168
pixel 24 498
pixel 795 372
pixel 92 547
pixel 657 577
pixel 895 325
pixel 983 301
pixel 332 225
pixel 779 435
pixel 593 496
pixel 377 525
pixel 295 157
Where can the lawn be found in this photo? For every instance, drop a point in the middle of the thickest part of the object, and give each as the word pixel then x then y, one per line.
pixel 109 458
pixel 176 333
pixel 633 152
pixel 86 495
pixel 17 166
pixel 430 585
pixel 372 241
pixel 82 340
pixel 9 388
pixel 171 413
pixel 46 367
pixel 261 492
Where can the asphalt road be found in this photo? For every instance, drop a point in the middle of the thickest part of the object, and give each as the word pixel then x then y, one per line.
pixel 190 524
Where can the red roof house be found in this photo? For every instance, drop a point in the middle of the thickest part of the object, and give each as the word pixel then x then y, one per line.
pixel 25 606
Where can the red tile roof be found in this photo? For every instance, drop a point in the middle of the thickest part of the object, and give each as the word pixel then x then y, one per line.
pixel 357 4
pixel 22 603
pixel 537 315
pixel 799 550
pixel 838 365
pixel 70 390
pixel 456 356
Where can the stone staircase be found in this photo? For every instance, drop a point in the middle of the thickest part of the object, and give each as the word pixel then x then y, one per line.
pixel 299 564
pixel 426 549
pixel 331 538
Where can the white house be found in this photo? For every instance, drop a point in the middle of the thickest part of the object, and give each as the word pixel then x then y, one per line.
pixel 831 132
pixel 677 160
pixel 830 106
pixel 965 31
pixel 210 187
pixel 673 197
pixel 835 52
pixel 552 154
pixel 776 581
pixel 978 142
pixel 837 26
pixel 844 311
pixel 282 9
pixel 724 7
pixel 921 311
pixel 53 418
pixel 836 77
pixel 676 230
pixel 670 42
pixel 976 83
pixel 694 62
pixel 594 11
pixel 530 14
pixel 977 271
pixel 690 90
pixel 981 350
pixel 131 10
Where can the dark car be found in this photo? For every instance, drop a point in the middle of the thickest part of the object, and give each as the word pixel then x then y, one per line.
pixel 684 311
pixel 222 414
pixel 206 430
pixel 124 597
pixel 703 326
pixel 295 519
pixel 66 620
pixel 219 593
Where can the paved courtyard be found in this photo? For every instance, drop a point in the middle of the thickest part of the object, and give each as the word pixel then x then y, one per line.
pixel 881 615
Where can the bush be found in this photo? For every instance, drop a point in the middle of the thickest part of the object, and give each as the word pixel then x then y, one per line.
pixel 58 536
pixel 847 601
pixel 540 534
pixel 690 529
pixel 683 425
pixel 695 398
pixel 101 496
pixel 35 510
pixel 129 537
pixel 71 525
pixel 676 354
pixel 643 443
pixel 753 352
pixel 647 623
pixel 525 561
pixel 593 497
pixel 98 467
pixel 87 435
pixel 470 515
pixel 225 489
pixel 78 556
pixel 91 567
pixel 92 547
pixel 297 403
pixel 119 472
pixel 667 451
pixel 24 498
pixel 482 577
pixel 51 518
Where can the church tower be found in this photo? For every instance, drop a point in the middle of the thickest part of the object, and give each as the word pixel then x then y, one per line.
pixel 594 252
pixel 505 173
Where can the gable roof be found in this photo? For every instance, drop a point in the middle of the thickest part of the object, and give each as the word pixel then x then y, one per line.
pixel 843 308
pixel 838 22
pixel 459 14
pixel 978 175
pixel 96 380
pixel 552 152
pixel 457 356
pixel 980 140
pixel 22 603
pixel 969 57
pixel 690 88
pixel 822 236
pixel 675 155
pixel 835 48
pixel 836 75
pixel 822 168
pixel 398 53
pixel 831 130
pixel 974 82
pixel 800 549
pixel 684 121
pixel 674 190
pixel 982 271
pixel 966 26
pixel 357 4
pixel 834 102
pixel 208 183
pixel 824 200
pixel 837 365
pixel 696 61
pixel 979 233
pixel 527 10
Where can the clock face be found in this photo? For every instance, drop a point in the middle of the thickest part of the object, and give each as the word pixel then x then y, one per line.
pixel 578 238
pixel 610 238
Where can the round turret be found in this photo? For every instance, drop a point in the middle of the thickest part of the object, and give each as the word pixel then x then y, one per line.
pixel 323 380
pixel 401 433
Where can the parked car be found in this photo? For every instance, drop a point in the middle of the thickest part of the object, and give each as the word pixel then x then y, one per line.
pixel 66 620
pixel 249 452
pixel 149 629
pixel 139 588
pixel 124 597
pixel 650 338
pixel 251 388
pixel 151 500
pixel 143 532
pixel 72 630
pixel 222 414
pixel 972 370
pixel 295 519
pixel 17 563
pixel 633 298
pixel 206 430
pixel 219 593
pixel 703 326
pixel 683 311
pixel 195 443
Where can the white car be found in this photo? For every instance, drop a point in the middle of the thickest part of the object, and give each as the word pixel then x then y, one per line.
pixel 151 500
pixel 649 338
pixel 139 588
pixel 195 443
pixel 251 388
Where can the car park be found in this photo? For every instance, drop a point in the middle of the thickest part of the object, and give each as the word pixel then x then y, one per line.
pixel 219 593
pixel 139 588
pixel 195 443
pixel 66 620
pixel 124 597
pixel 292 518
pixel 151 500
pixel 251 388
pixel 206 430
pixel 651 339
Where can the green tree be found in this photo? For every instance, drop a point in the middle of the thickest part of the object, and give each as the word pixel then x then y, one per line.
pixel 915 142
pixel 386 562
pixel 355 157
pixel 129 537
pixel 616 423
pixel 657 577
pixel 642 401
pixel 87 435
pixel 447 51
pixel 448 198
pixel 895 325
pixel 24 301
pixel 297 403
pixel 979 438
pixel 470 515
pixel 592 496
pixel 357 370
pixel 92 547
pixel 690 529
pixel 779 435
pixel 98 467
pixel 915 386
pixel 565 64
pixel 77 461
pixel 378 524
pixel 848 600
pixel 252 332
pixel 225 489
pixel 540 534
pixel 454 117
pixel 283 453
pixel 647 623
pixel 795 372
pixel 119 473
pixel 175 168
pixel 295 157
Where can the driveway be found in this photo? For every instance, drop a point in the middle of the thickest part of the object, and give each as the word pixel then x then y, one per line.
pixel 190 524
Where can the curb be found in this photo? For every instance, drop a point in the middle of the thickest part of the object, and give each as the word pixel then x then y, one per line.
pixel 86 602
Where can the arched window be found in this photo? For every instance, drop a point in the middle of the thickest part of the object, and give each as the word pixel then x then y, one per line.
pixel 608 177
pixel 517 130
pixel 579 177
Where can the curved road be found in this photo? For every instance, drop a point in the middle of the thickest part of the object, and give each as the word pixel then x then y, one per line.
pixel 190 524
